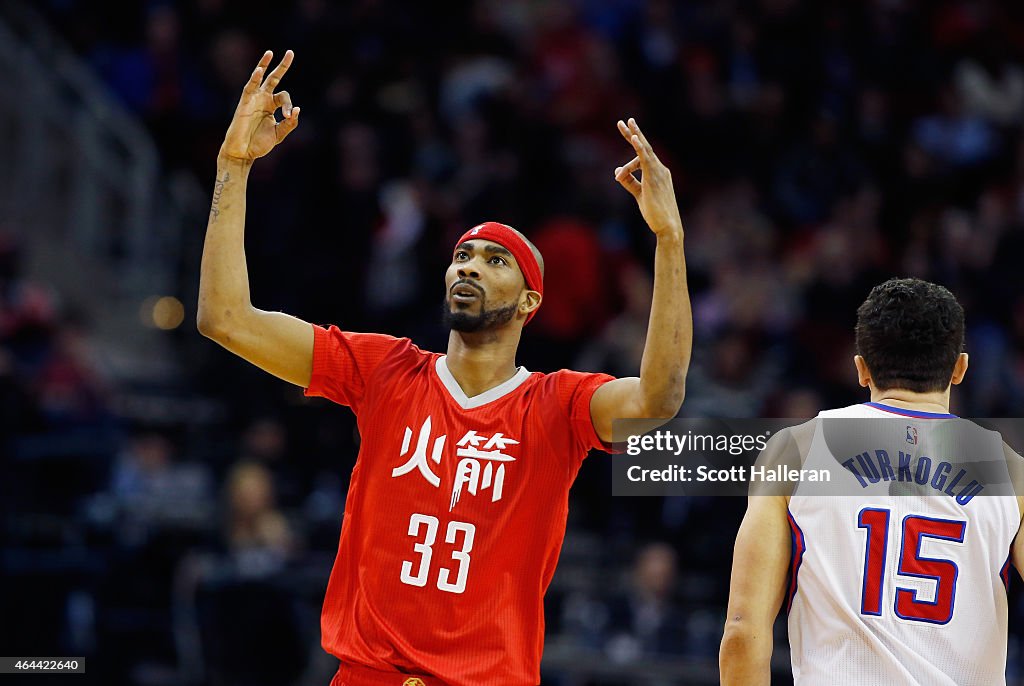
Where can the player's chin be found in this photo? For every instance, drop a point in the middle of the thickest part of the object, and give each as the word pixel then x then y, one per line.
pixel 453 305
pixel 462 317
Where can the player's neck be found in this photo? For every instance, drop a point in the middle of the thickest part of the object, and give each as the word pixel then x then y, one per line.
pixel 937 401
pixel 481 361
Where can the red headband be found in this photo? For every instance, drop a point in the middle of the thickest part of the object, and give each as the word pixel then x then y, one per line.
pixel 509 239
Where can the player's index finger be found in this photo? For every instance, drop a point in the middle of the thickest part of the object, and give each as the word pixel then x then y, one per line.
pixel 632 165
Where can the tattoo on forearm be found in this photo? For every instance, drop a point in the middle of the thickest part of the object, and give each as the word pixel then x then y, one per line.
pixel 218 190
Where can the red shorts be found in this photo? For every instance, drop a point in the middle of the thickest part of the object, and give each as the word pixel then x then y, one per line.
pixel 355 675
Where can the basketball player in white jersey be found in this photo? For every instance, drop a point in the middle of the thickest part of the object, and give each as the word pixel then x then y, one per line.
pixel 899 579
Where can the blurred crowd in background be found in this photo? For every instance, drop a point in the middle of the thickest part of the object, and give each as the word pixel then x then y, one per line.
pixel 817 148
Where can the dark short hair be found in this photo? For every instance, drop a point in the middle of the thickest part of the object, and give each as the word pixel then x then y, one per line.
pixel 910 333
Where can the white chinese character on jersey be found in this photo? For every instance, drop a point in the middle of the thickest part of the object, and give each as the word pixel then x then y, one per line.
pixel 474 449
pixel 418 459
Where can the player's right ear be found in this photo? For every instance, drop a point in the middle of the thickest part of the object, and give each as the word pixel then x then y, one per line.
pixel 959 369
pixel 863 373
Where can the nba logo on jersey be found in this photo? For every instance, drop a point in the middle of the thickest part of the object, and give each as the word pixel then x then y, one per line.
pixel 912 435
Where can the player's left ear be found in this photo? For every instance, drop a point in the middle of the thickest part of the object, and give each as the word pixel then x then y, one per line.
pixel 959 369
pixel 529 301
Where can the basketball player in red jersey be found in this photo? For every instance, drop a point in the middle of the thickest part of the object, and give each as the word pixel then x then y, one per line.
pixel 457 504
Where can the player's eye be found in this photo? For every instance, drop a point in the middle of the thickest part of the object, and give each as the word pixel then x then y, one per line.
pixel 461 254
pixel 500 260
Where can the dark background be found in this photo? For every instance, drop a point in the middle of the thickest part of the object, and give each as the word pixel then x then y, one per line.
pixel 171 512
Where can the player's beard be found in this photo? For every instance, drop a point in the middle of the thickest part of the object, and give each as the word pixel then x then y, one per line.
pixel 484 320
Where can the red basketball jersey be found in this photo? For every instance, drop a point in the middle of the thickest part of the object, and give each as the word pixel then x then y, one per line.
pixel 456 510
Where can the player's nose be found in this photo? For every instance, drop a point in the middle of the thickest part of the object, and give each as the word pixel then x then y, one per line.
pixel 468 270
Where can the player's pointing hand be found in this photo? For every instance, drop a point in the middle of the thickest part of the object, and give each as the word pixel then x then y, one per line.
pixel 254 131
pixel 653 190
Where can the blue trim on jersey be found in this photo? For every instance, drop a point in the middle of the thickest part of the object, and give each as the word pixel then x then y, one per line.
pixel 917 414
pixel 799 547
pixel 1004 573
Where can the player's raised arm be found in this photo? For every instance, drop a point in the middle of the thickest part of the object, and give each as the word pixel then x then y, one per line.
pixel 658 392
pixel 756 592
pixel 273 341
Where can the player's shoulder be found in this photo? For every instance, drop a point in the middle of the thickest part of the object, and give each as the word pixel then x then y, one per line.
pixel 405 353
pixel 862 410
pixel 564 383
pixel 565 376
pixel 798 435
pixel 1011 455
pixel 335 332
pixel 407 345
pixel 382 342
pixel 787 447
pixel 1015 467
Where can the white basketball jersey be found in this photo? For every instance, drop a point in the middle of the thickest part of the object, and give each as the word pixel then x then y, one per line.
pixel 900 582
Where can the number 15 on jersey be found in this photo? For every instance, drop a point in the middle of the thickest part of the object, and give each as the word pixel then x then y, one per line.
pixel 911 563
